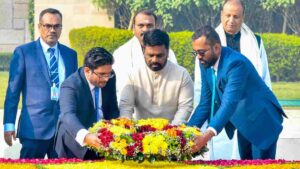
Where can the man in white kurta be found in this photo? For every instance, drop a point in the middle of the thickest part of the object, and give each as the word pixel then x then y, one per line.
pixel 160 88
pixel 130 55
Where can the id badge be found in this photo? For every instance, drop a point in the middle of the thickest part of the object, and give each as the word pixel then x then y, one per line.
pixel 54 93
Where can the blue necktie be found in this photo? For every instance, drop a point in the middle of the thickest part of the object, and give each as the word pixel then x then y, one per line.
pixel 213 95
pixel 53 68
pixel 97 102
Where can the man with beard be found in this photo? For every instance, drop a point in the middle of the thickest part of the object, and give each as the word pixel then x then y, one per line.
pixel 234 33
pixel 130 55
pixel 234 97
pixel 159 89
pixel 37 70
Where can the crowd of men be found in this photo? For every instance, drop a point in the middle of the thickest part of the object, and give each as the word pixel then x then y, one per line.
pixel 231 97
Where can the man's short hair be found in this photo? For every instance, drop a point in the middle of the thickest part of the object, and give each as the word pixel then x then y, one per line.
pixel 240 1
pixel 209 32
pixel 49 10
pixel 96 57
pixel 145 12
pixel 156 37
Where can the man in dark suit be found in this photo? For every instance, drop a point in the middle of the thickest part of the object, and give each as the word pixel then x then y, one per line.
pixel 234 97
pixel 87 96
pixel 36 70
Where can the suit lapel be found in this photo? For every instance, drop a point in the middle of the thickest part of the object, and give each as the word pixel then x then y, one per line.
pixel 42 61
pixel 86 87
pixel 220 74
pixel 64 57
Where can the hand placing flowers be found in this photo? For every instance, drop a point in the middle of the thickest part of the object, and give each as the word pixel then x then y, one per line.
pixel 151 139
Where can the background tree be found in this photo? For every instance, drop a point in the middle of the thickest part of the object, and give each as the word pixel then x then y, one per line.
pixel 289 10
pixel 178 15
pixel 124 10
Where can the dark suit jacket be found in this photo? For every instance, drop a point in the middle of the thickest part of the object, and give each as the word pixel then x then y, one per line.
pixel 29 75
pixel 77 112
pixel 245 101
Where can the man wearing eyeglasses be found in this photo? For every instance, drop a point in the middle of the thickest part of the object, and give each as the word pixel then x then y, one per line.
pixel 87 96
pixel 37 70
pixel 160 89
pixel 235 34
pixel 234 98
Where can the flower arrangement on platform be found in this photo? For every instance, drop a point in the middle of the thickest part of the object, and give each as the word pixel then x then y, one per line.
pixel 105 164
pixel 151 139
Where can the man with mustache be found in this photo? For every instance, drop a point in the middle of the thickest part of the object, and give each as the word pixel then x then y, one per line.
pixel 235 34
pixel 234 98
pixel 37 70
pixel 159 89
pixel 87 96
pixel 130 55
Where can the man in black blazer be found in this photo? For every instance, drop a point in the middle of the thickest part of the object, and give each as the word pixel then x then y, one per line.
pixel 87 96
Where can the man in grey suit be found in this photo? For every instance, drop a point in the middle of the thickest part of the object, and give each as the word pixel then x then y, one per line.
pixel 37 70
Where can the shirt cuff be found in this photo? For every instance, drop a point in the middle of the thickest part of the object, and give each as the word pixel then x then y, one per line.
pixel 9 127
pixel 213 130
pixel 80 136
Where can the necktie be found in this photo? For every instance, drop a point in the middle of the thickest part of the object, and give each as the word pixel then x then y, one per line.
pixel 53 68
pixel 97 102
pixel 213 95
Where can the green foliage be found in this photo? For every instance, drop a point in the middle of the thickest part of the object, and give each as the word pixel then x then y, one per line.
pixel 4 61
pixel 181 44
pixel 287 90
pixel 163 8
pixel 31 18
pixel 270 4
pixel 84 39
pixel 283 56
pixel 283 50
pixel 3 87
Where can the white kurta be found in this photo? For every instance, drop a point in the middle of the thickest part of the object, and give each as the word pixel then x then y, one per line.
pixel 167 93
pixel 128 57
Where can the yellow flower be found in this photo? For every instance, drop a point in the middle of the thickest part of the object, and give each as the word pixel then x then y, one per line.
pixel 191 143
pixel 99 125
pixel 118 130
pixel 158 123
pixel 154 144
pixel 192 130
pixel 119 145
pixel 122 122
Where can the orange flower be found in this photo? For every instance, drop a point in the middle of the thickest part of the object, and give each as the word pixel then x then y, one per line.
pixel 172 132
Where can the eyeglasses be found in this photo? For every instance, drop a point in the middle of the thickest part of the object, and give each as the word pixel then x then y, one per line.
pixel 103 76
pixel 200 52
pixel 49 26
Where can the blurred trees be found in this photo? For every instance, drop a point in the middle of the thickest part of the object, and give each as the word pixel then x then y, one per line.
pixel 178 15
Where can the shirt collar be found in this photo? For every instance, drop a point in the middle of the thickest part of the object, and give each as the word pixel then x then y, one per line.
pixel 91 86
pixel 45 46
pixel 215 66
pixel 235 36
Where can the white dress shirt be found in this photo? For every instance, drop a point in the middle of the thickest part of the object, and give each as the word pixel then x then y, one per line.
pixel 83 132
